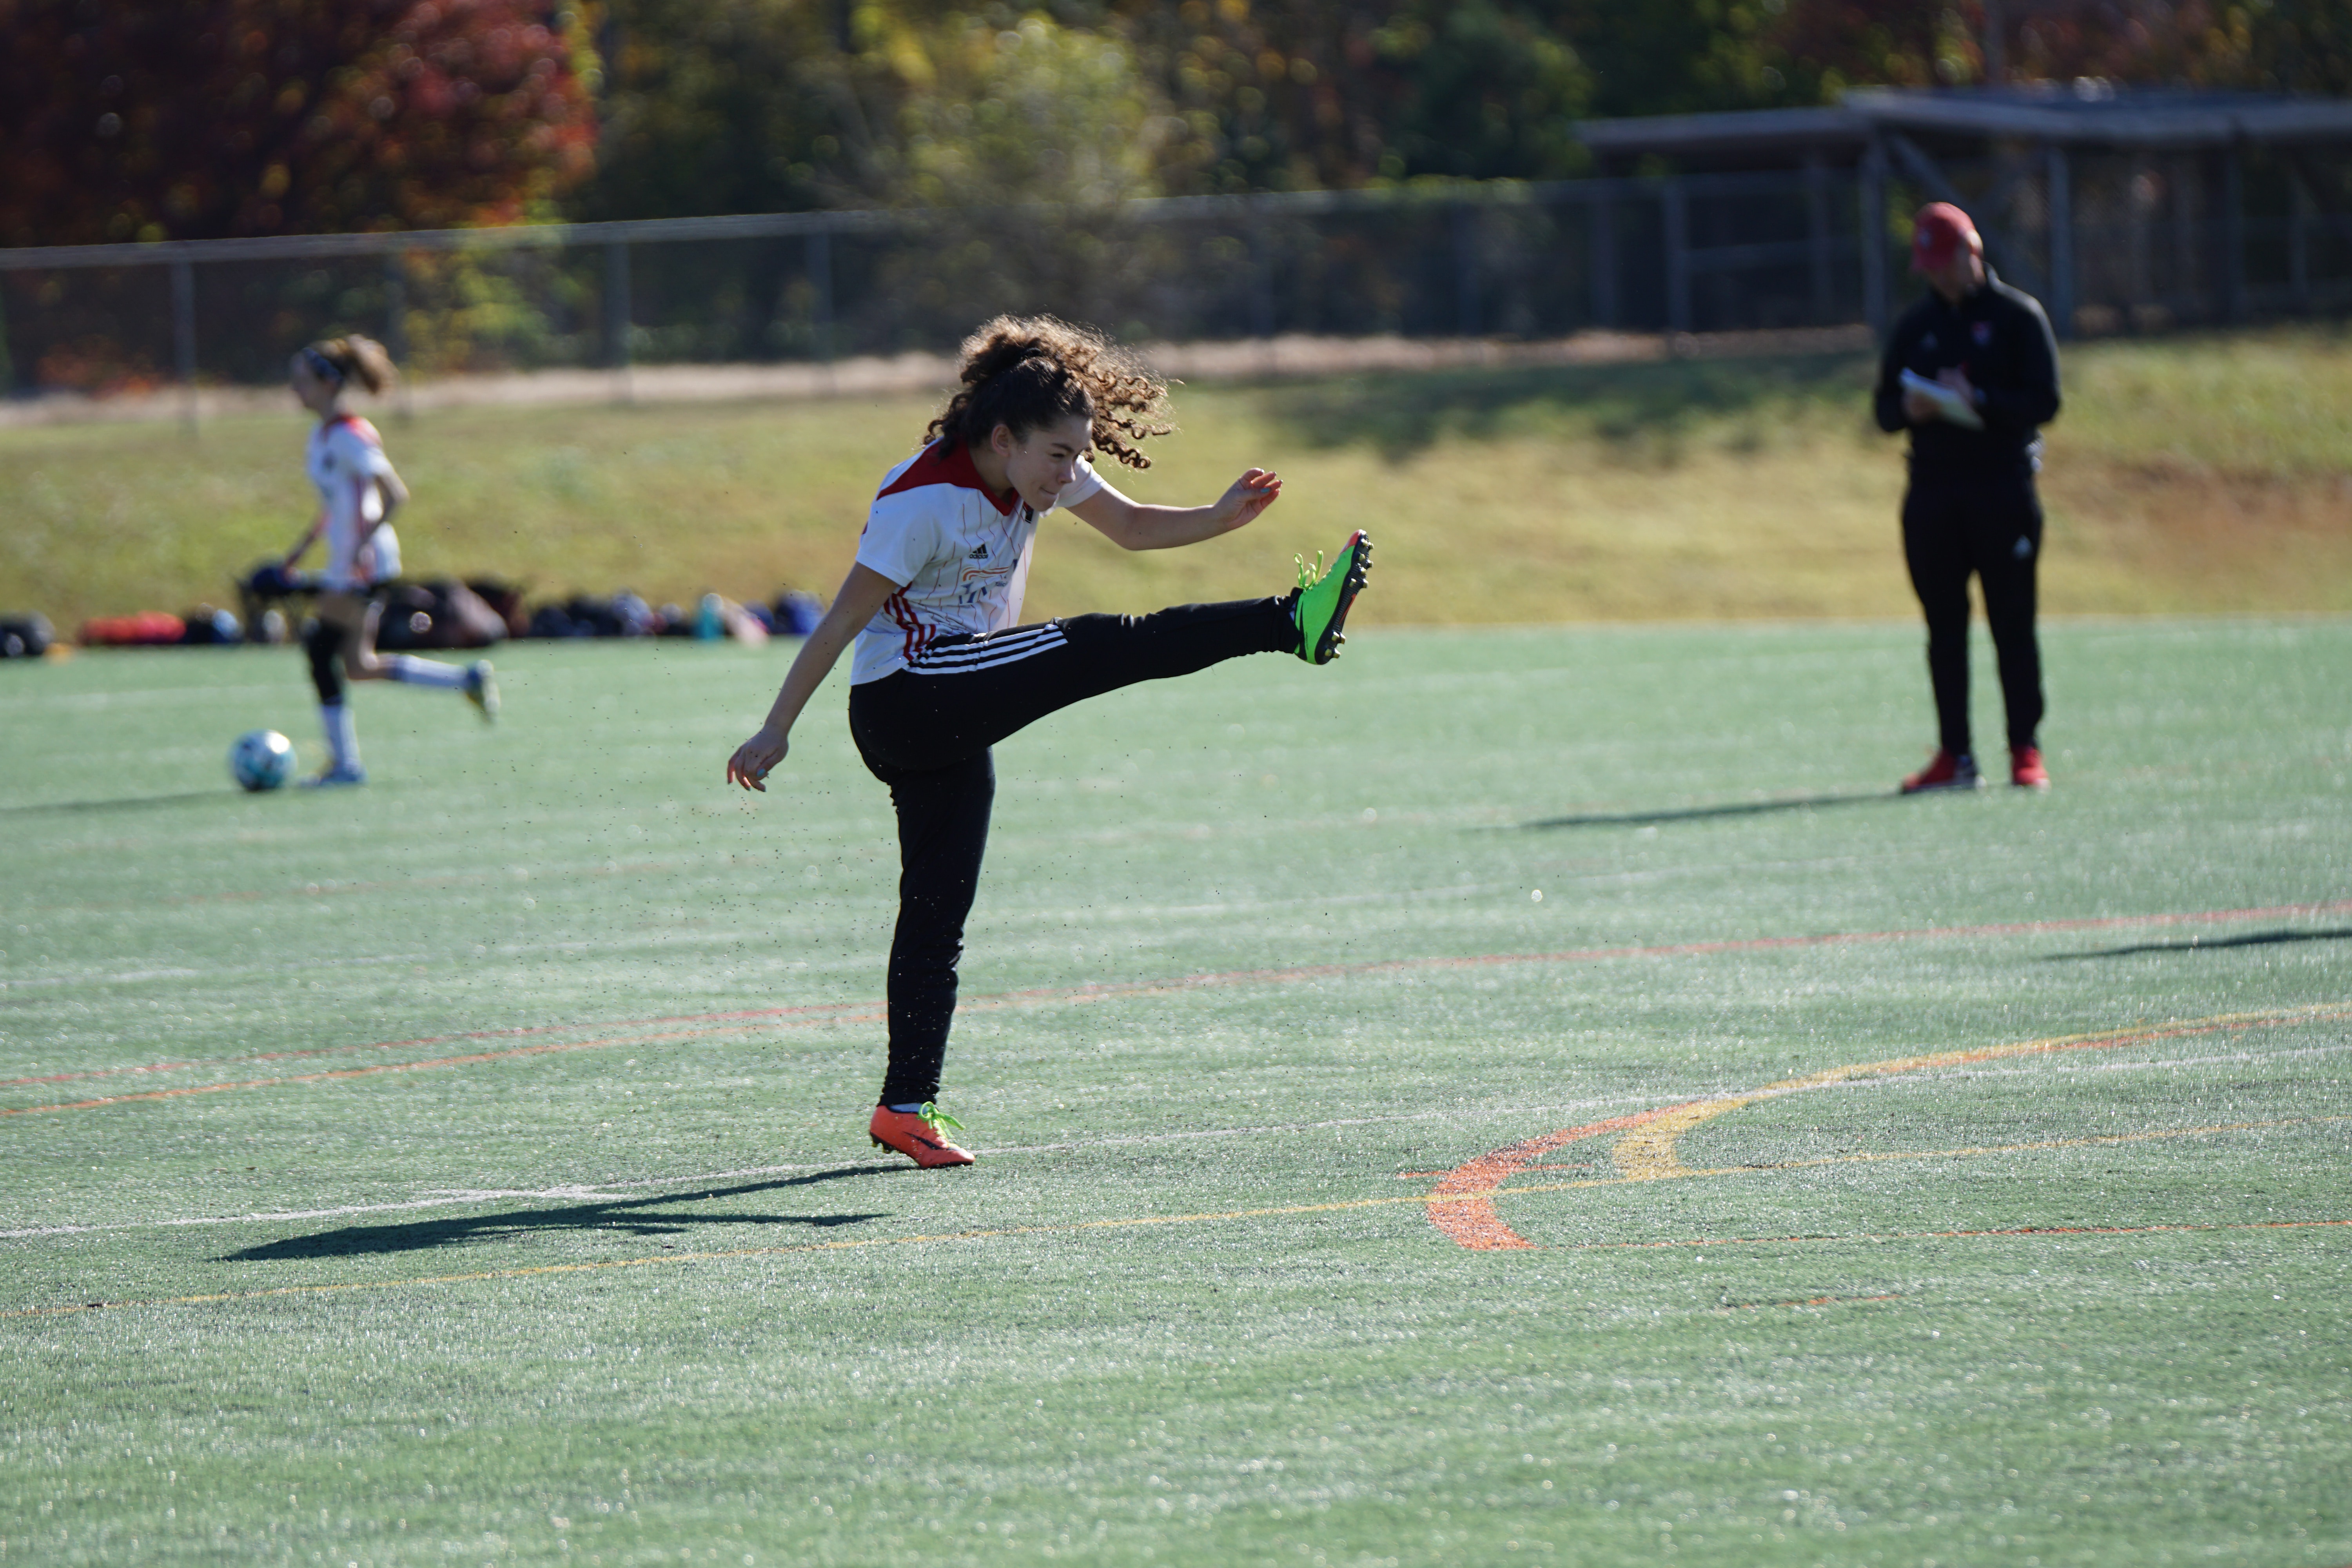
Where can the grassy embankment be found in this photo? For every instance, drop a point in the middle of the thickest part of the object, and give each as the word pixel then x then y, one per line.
pixel 2211 473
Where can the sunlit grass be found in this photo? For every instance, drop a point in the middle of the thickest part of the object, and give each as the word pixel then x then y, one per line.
pixel 2202 473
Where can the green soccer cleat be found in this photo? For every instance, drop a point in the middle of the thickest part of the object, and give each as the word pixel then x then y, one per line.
pixel 1319 606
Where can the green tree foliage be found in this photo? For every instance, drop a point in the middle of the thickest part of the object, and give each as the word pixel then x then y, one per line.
pixel 723 106
pixel 769 105
pixel 1821 46
pixel 1299 93
pixel 1030 112
pixel 187 118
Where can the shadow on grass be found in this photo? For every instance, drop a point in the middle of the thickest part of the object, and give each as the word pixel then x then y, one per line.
pixel 2250 939
pixel 626 1216
pixel 126 802
pixel 1641 408
pixel 1706 813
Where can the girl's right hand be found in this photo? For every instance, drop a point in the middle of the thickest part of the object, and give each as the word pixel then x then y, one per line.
pixel 755 759
pixel 1251 494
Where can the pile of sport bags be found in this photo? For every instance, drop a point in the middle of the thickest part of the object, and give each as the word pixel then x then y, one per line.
pixel 429 614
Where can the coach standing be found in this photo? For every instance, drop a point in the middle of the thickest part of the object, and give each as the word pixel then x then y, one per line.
pixel 1971 371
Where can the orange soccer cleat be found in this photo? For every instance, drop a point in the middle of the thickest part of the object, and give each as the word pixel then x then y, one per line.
pixel 920 1135
pixel 2026 769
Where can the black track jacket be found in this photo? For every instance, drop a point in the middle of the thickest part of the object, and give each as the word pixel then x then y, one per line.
pixel 1999 336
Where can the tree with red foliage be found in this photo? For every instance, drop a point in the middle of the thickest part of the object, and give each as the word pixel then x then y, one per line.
pixel 144 120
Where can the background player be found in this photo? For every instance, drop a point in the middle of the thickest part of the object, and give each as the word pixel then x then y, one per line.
pixel 358 493
pixel 941 672
pixel 1971 506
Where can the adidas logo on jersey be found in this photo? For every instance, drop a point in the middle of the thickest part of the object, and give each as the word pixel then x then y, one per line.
pixel 979 552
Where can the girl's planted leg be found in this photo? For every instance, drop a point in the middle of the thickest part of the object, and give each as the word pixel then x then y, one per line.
pixel 942 833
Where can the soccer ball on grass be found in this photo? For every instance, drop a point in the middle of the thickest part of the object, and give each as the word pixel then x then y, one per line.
pixel 261 759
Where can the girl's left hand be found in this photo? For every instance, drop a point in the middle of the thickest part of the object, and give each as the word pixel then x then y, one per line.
pixel 1249 495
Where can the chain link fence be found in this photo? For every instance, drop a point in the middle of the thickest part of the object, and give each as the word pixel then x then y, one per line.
pixel 2153 244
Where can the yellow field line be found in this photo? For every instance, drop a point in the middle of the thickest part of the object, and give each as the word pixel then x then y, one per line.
pixel 2096 1141
pixel 1649 1155
pixel 1132 1222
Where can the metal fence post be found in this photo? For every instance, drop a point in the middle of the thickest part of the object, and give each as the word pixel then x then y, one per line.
pixel 819 252
pixel 616 311
pixel 1466 269
pixel 2061 179
pixel 2231 236
pixel 1873 239
pixel 395 325
pixel 1604 257
pixel 1817 230
pixel 1678 268
pixel 2298 241
pixel 1261 277
pixel 184 337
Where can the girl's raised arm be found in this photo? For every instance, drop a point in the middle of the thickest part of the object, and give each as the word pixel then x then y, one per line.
pixel 862 595
pixel 1133 525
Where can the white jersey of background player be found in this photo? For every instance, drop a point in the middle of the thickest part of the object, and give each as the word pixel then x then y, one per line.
pixel 358 492
pixel 346 462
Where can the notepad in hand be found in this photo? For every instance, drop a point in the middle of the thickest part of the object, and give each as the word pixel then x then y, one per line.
pixel 1949 402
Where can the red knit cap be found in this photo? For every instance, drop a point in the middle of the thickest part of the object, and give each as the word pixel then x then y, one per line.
pixel 1937 233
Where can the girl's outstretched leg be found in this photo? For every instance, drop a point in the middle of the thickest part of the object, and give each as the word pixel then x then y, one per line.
pixel 942 833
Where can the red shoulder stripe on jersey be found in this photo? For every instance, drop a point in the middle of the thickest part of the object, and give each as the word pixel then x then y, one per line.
pixel 365 431
pixel 947 463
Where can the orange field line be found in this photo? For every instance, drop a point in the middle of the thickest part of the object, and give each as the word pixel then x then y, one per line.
pixel 819 1011
pixel 472 1058
pixel 1109 990
pixel 2012 1231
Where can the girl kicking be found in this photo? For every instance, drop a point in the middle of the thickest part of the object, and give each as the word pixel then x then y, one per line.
pixel 942 673
pixel 358 493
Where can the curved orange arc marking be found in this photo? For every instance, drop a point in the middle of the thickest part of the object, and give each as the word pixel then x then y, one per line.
pixel 1462 1205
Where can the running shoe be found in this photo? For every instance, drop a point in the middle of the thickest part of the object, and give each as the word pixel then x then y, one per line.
pixel 1945 771
pixel 335 778
pixel 1319 606
pixel 920 1135
pixel 482 687
pixel 2026 769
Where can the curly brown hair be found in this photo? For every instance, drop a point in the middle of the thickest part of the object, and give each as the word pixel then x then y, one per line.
pixel 1024 371
pixel 357 358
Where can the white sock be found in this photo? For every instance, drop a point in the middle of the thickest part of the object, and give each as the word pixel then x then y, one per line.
pixel 411 670
pixel 342 733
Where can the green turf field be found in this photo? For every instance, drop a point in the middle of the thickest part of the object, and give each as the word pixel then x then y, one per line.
pixel 470 1169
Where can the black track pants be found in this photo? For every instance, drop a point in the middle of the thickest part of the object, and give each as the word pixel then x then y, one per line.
pixel 1991 529
pixel 925 731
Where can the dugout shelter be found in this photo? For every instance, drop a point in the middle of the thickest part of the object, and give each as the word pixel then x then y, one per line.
pixel 2121 208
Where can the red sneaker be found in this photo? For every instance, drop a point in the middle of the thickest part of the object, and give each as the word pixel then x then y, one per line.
pixel 1944 771
pixel 920 1135
pixel 2026 769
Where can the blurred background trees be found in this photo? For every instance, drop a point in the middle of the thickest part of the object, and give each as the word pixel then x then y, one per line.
pixel 124 120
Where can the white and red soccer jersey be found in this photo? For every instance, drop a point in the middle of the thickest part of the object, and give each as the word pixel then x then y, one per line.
pixel 345 459
pixel 962 551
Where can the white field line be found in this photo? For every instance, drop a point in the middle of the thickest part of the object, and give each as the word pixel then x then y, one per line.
pixel 454 1198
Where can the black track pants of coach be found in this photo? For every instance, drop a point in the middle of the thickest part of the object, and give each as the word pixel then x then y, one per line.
pixel 925 731
pixel 1994 531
